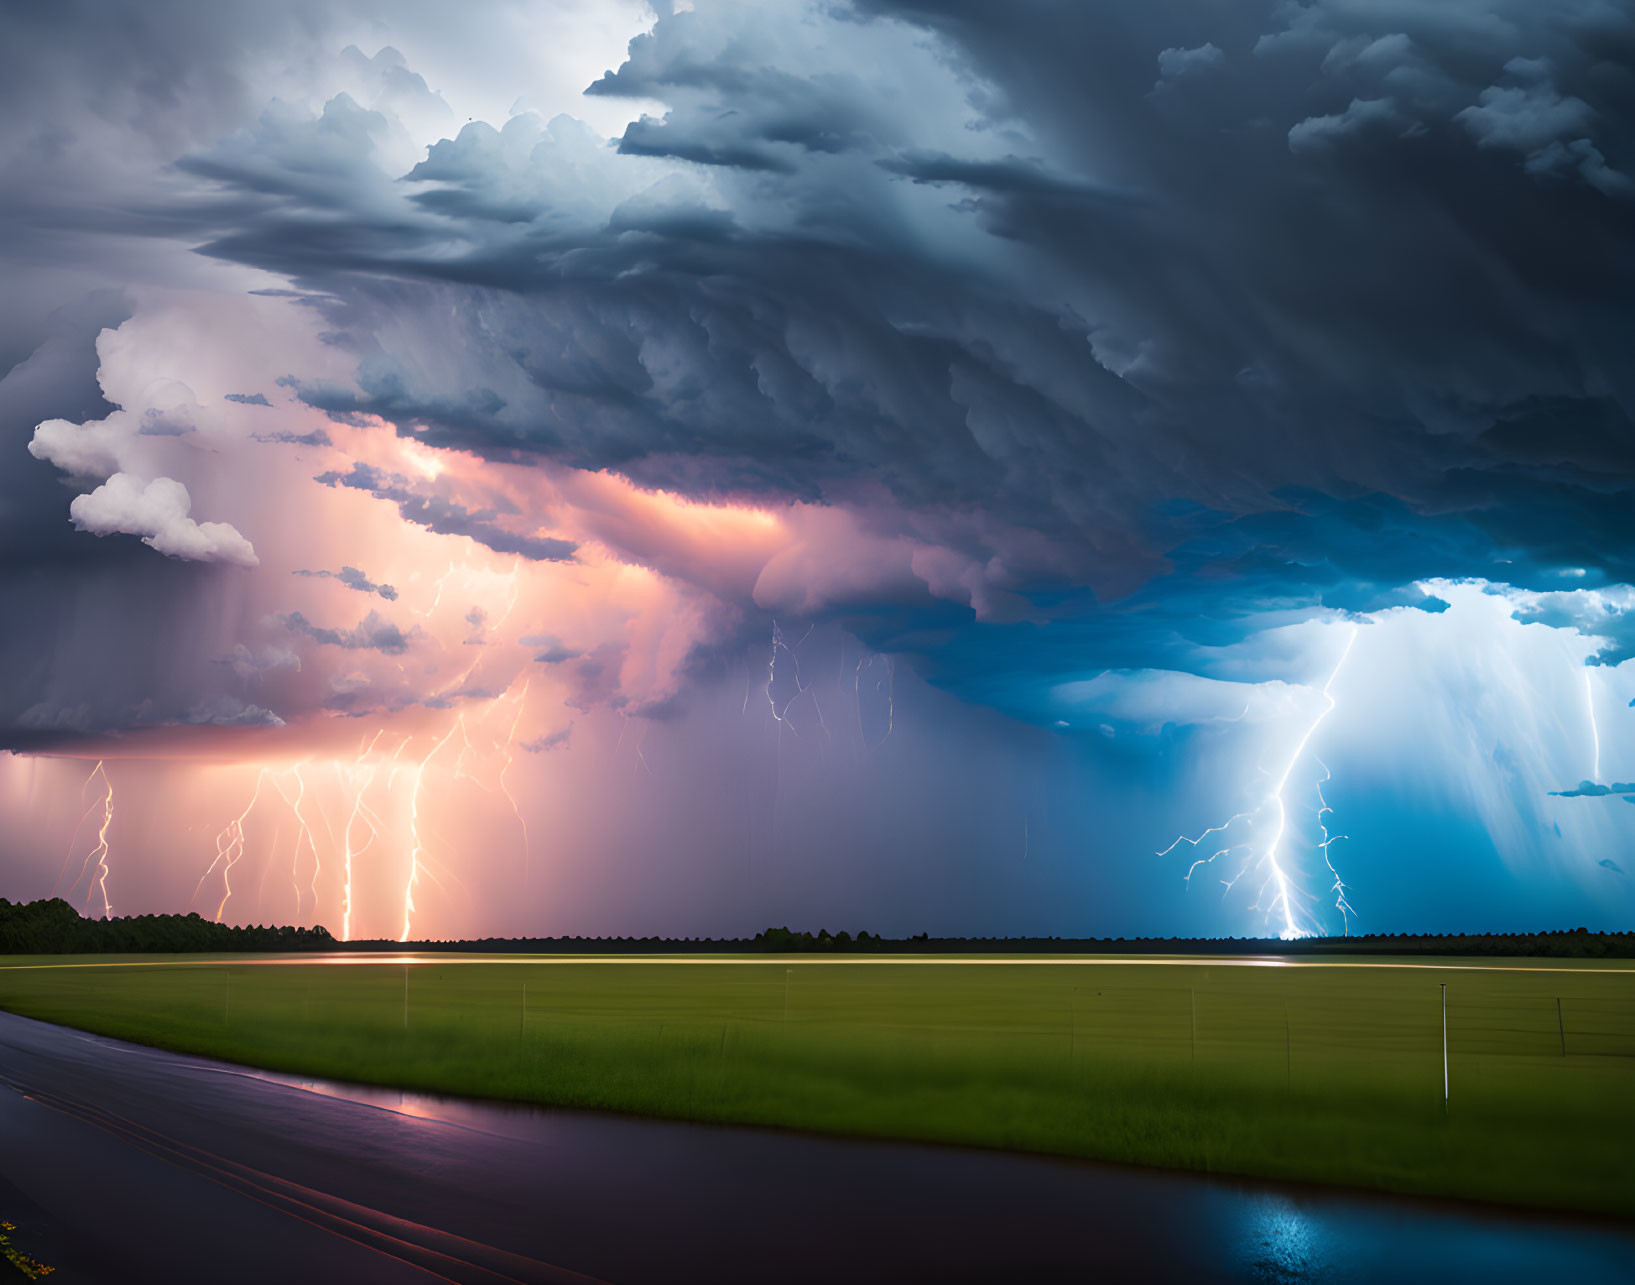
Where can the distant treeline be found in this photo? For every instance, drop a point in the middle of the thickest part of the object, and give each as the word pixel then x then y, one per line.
pixel 53 927
pixel 1576 943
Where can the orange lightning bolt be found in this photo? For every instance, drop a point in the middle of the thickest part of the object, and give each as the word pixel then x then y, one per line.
pixel 230 848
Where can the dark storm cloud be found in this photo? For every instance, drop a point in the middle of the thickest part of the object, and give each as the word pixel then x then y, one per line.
pixel 445 516
pixel 68 652
pixel 249 399
pixel 58 378
pixel 1242 309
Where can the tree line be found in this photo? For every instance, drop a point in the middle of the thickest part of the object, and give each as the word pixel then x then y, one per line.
pixel 53 927
pixel 1576 943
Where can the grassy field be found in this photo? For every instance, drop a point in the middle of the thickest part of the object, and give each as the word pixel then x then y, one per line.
pixel 1321 1073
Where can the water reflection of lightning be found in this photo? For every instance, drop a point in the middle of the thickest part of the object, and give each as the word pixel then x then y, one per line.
pixel 1272 812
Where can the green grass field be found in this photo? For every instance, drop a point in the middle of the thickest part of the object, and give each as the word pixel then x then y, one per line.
pixel 1310 1072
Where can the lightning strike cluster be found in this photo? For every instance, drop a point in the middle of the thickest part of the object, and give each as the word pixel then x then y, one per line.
pixel 1259 838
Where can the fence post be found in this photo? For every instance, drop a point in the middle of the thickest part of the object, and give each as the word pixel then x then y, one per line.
pixel 1444 1046
pixel 1561 1027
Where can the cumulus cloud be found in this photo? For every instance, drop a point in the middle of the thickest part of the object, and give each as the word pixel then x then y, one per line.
pixel 1175 62
pixel 1524 118
pixel 352 578
pixel 1550 130
pixel 88 450
pixel 157 511
pixel 1317 132
pixel 373 633
pixel 227 711
pixel 252 663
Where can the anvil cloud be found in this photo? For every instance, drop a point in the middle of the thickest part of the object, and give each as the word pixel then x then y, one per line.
pixel 593 468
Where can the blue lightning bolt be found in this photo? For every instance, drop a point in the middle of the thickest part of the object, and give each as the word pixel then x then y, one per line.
pixel 1595 730
pixel 1268 855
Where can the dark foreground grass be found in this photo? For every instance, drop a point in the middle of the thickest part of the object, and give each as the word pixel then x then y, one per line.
pixel 1318 1073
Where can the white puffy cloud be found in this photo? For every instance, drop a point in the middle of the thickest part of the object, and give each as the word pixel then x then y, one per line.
pixel 85 450
pixel 158 512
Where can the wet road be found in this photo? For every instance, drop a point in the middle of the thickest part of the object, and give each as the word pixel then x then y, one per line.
pixel 124 1164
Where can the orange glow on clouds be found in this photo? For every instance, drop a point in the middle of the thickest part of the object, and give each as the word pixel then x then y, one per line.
pixel 381 683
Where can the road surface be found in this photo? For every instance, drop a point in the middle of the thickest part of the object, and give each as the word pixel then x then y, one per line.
pixel 126 1165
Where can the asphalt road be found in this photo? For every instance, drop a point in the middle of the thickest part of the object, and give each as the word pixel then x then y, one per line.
pixel 126 1165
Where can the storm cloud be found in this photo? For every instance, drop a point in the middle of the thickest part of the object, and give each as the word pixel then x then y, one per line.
pixel 1101 365
pixel 1141 331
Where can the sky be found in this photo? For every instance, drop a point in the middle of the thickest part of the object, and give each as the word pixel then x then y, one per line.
pixel 1146 468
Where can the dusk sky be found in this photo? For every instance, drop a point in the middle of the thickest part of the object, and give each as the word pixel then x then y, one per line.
pixel 598 467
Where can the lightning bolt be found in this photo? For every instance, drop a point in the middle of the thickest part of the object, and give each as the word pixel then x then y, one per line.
pixel 880 685
pixel 99 850
pixel 230 847
pixel 417 849
pixel 510 757
pixel 1329 840
pixel 772 673
pixel 303 835
pixel 487 754
pixel 1274 807
pixel 802 687
pixel 1595 730
pixel 360 812
pixel 1222 828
